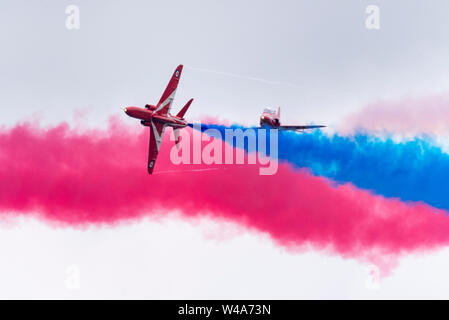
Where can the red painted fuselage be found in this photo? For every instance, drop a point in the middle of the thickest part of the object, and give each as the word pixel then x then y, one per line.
pixel 269 119
pixel 146 115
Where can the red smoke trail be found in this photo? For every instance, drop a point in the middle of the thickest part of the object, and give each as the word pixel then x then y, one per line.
pixel 92 177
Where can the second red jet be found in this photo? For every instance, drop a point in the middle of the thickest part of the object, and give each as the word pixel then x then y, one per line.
pixel 270 118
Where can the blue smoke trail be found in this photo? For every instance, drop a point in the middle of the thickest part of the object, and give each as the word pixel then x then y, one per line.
pixel 414 170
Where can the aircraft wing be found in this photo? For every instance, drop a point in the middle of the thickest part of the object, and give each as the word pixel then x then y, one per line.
pixel 156 133
pixel 165 103
pixel 299 128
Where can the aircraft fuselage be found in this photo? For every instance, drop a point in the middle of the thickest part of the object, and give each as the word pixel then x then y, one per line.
pixel 147 114
pixel 271 118
pixel 267 119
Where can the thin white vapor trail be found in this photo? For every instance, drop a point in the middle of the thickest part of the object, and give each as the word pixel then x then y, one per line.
pixel 234 75
pixel 183 171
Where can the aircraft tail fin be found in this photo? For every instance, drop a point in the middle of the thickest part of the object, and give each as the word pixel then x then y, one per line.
pixel 279 111
pixel 166 101
pixel 184 109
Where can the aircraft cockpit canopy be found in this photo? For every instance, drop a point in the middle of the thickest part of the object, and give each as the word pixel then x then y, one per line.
pixel 269 110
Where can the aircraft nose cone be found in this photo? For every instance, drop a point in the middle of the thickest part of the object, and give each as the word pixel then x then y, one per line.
pixel 125 110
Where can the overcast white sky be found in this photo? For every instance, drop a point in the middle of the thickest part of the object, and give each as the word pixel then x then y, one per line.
pixel 125 52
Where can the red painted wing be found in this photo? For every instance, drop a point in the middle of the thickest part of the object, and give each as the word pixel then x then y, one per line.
pixel 164 105
pixel 156 133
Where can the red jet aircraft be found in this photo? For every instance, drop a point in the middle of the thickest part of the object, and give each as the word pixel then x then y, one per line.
pixel 158 117
pixel 270 118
